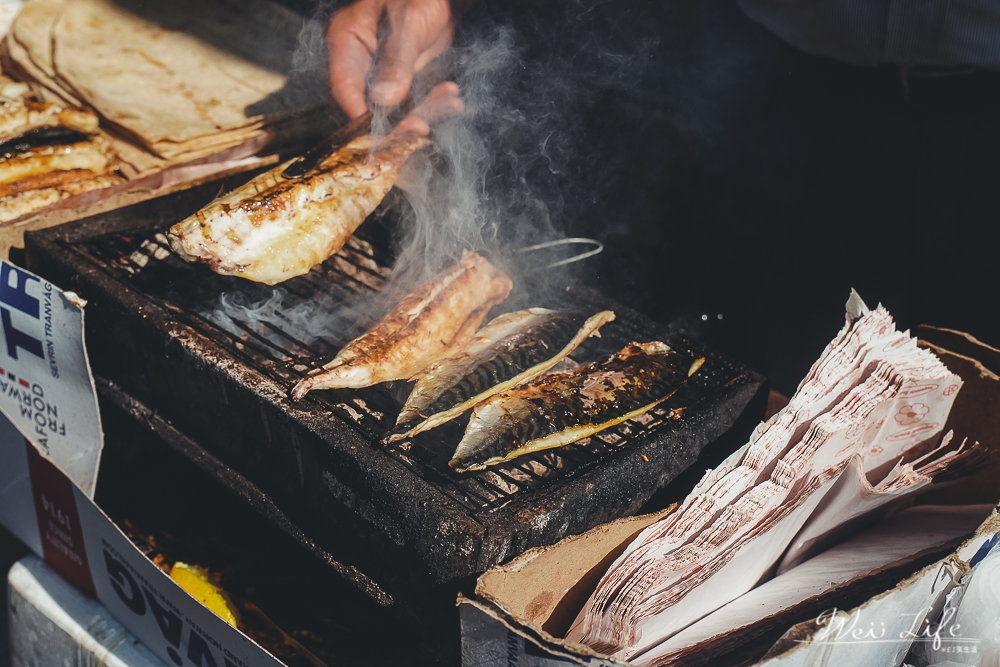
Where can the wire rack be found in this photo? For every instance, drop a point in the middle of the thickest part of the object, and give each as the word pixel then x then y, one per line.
pixel 262 333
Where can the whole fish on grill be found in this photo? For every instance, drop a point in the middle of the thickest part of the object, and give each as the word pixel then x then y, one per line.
pixel 561 408
pixel 274 228
pixel 511 349
pixel 443 312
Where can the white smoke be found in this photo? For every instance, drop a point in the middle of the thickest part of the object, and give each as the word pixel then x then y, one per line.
pixel 496 180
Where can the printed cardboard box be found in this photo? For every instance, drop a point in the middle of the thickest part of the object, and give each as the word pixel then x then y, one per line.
pixel 50 444
pixel 524 608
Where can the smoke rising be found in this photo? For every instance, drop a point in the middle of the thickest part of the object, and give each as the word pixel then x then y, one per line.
pixel 506 173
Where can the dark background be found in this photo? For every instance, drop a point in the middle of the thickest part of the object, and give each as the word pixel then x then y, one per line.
pixel 743 177
pixel 728 173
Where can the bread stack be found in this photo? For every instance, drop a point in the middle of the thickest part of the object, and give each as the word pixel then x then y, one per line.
pixel 174 82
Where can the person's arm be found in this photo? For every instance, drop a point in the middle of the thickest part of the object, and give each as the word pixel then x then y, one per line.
pixel 417 32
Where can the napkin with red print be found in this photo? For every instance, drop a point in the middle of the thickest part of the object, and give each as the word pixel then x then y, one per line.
pixel 861 435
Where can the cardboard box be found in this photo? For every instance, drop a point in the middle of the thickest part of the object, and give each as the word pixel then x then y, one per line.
pixel 50 443
pixel 523 609
pixel 52 624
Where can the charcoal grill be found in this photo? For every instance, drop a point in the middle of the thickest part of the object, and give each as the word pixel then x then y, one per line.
pixel 399 510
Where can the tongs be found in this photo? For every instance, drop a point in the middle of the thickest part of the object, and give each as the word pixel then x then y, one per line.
pixel 597 248
pixel 347 133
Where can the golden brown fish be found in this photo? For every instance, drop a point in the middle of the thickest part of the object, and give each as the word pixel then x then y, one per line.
pixel 20 116
pixel 555 410
pixel 22 203
pixel 32 167
pixel 274 228
pixel 511 349
pixel 443 312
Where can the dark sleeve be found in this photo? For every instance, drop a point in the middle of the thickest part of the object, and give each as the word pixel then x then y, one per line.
pixel 873 32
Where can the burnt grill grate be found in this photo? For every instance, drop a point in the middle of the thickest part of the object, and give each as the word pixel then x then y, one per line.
pixel 278 347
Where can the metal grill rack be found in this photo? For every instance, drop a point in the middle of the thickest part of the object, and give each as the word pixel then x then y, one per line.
pixel 154 330
pixel 287 354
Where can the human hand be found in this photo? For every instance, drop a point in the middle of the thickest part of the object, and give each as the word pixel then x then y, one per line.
pixel 443 101
pixel 418 31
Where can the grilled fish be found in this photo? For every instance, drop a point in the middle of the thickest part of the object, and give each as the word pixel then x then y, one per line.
pixel 33 167
pixel 22 116
pixel 275 228
pixel 511 349
pixel 22 203
pixel 555 410
pixel 443 312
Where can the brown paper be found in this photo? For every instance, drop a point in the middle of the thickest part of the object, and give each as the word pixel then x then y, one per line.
pixel 547 586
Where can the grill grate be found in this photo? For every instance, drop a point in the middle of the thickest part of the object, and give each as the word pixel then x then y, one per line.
pixel 285 350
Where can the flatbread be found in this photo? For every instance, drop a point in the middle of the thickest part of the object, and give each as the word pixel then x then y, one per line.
pixel 29 44
pixel 33 31
pixel 180 76
pixel 18 64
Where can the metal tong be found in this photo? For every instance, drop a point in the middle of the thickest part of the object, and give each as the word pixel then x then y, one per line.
pixel 347 133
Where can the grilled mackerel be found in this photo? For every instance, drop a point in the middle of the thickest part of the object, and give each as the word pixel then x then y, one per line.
pixel 443 312
pixel 558 409
pixel 274 228
pixel 511 349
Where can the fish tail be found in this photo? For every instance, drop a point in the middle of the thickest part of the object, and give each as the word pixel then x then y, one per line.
pixel 302 388
pixel 396 433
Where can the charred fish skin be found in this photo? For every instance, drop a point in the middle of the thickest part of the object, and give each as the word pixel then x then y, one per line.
pixel 513 356
pixel 558 409
pixel 443 312
pixel 511 349
pixel 274 228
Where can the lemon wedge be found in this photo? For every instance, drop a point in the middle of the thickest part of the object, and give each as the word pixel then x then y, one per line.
pixel 192 579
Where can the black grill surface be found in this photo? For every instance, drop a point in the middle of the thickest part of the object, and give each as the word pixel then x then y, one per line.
pixel 155 329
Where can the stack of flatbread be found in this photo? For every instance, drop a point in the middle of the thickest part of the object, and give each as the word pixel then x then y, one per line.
pixel 174 82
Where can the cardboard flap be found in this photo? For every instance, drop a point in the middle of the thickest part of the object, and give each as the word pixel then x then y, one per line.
pixel 546 587
pixel 46 389
pixel 976 416
pixel 961 343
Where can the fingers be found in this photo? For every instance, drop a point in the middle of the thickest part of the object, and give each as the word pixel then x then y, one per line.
pixel 443 101
pixel 351 41
pixel 419 30
pixel 412 123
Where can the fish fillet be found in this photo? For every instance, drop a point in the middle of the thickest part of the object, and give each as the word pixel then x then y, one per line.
pixel 443 312
pixel 511 349
pixel 20 116
pixel 22 203
pixel 274 228
pixel 34 167
pixel 555 410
